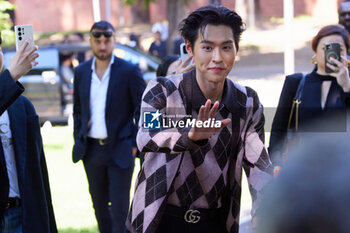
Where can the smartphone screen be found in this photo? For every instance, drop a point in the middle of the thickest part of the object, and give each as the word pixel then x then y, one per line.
pixel 331 50
pixel 183 52
pixel 22 33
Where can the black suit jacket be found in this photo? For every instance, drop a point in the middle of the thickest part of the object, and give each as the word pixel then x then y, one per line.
pixel 124 93
pixel 38 216
pixel 312 118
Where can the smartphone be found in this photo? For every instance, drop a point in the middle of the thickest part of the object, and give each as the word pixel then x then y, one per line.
pixel 22 33
pixel 183 52
pixel 331 50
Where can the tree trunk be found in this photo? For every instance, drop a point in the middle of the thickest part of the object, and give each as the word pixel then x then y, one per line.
pixel 140 13
pixel 176 12
pixel 121 14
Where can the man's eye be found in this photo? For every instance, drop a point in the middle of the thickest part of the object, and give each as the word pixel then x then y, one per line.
pixel 227 47
pixel 207 48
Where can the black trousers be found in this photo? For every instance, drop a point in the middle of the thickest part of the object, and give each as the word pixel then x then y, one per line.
pixel 176 224
pixel 109 186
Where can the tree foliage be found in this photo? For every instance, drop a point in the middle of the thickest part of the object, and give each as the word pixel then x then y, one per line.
pixel 7 34
pixel 131 2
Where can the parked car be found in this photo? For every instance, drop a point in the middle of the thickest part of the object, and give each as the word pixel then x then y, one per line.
pixel 51 95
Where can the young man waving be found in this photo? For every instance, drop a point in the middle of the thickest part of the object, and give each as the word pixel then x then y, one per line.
pixel 208 129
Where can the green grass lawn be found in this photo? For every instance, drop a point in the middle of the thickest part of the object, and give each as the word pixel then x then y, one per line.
pixel 69 188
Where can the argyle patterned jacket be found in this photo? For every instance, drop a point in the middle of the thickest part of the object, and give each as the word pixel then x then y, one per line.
pixel 168 149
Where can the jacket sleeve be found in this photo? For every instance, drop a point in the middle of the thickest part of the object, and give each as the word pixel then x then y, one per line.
pixel 136 87
pixel 163 140
pixel 256 160
pixel 52 221
pixel 280 121
pixel 76 106
pixel 43 178
pixel 9 90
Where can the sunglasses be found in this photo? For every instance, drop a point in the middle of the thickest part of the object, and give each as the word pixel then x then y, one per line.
pixel 99 34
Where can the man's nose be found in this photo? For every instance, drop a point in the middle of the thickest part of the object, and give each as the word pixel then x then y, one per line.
pixel 103 45
pixel 217 55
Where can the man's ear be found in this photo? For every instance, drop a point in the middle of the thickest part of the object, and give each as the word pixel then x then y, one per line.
pixel 189 48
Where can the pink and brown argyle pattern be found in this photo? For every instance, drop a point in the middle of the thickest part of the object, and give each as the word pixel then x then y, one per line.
pixel 195 175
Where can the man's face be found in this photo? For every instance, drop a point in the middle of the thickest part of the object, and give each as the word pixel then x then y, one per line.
pixel 158 36
pixel 102 45
pixel 344 15
pixel 214 53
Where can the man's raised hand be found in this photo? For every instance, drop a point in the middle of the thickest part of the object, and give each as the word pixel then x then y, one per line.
pixel 23 61
pixel 205 113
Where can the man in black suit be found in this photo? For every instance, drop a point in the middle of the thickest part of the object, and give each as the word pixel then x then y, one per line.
pixel 107 96
pixel 25 199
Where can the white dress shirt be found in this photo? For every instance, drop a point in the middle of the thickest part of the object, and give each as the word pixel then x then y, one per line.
pixel 98 97
pixel 9 153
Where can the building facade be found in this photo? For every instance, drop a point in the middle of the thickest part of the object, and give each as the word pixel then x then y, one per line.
pixel 77 15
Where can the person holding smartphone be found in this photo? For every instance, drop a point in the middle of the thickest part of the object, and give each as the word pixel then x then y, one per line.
pixel 325 93
pixel 25 199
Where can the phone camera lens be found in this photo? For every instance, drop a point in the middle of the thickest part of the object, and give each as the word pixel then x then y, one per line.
pixel 19 34
pixel 20 38
pixel 19 29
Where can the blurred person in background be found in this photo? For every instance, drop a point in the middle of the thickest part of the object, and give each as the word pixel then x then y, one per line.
pixel 167 66
pixel 25 198
pixel 79 38
pixel 323 95
pixel 311 193
pixel 134 41
pixel 344 14
pixel 171 65
pixel 66 79
pixel 158 46
pixel 107 96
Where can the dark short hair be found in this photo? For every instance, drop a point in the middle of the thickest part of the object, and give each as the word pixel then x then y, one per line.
pixel 164 65
pixel 214 15
pixel 102 25
pixel 328 31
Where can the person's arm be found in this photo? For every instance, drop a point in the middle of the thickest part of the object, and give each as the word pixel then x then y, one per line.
pixel 172 140
pixel 20 64
pixel 9 90
pixel 39 153
pixel 256 161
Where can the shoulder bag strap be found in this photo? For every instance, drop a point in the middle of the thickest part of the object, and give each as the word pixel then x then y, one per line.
pixel 296 103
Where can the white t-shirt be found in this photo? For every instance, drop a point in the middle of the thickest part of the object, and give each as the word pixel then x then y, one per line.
pixel 7 145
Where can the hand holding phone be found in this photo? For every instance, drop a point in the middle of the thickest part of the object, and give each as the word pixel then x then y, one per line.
pixel 331 50
pixel 24 59
pixel 22 34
